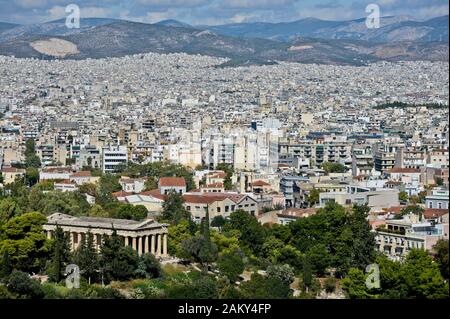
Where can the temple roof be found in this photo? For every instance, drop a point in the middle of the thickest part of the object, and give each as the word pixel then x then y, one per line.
pixel 100 222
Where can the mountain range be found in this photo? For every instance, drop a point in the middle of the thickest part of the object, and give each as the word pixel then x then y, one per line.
pixel 307 40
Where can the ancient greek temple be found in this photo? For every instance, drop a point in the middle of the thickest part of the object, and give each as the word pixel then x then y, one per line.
pixel 145 236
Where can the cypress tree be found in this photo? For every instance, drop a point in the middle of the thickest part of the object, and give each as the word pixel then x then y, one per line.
pixel 6 268
pixel 87 257
pixel 60 252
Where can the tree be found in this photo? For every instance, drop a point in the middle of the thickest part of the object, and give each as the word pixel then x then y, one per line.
pixel 228 169
pixel 97 211
pixel 218 221
pixel 148 267
pixel 330 284
pixel 196 286
pixel 416 277
pixel 313 197
pixel 23 286
pixel 307 273
pixel 252 232
pixel 261 287
pixel 199 249
pixel 319 258
pixel 231 265
pixel 177 234
pixel 403 196
pixel 31 176
pixel 6 266
pixel 422 276
pixel 60 253
pixel 285 273
pixel 291 256
pixel 23 238
pixel 334 167
pixel 31 159
pixel 128 211
pixel 173 209
pixel 151 183
pixel 8 208
pixel 271 249
pixel 354 284
pixel 108 184
pixel 87 258
pixel 439 181
pixel 441 248
pixel 363 248
pixel 116 261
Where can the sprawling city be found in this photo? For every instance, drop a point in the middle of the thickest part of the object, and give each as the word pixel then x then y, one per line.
pixel 172 173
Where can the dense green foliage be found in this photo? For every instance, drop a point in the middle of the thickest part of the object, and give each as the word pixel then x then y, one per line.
pixel 334 167
pixel 417 277
pixel 173 210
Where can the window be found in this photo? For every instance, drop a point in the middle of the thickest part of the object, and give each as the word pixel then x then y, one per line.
pixel 440 205
pixel 227 208
pixel 218 209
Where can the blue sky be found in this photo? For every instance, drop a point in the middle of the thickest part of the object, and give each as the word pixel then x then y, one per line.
pixel 216 11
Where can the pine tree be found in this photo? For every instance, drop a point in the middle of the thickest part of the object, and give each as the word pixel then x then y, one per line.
pixel 87 258
pixel 117 262
pixel 6 267
pixel 60 252
pixel 307 273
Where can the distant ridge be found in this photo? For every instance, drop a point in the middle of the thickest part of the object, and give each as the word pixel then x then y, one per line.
pixel 173 23
pixel 306 41
pixel 6 26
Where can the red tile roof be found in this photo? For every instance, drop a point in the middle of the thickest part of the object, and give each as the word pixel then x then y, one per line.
pixel 394 209
pixel 81 174
pixel 57 170
pixel 172 181
pixel 154 193
pixel 201 199
pixel 260 183
pixel 217 175
pixel 434 213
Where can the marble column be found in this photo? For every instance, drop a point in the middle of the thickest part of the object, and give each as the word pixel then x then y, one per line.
pixel 165 245
pixel 80 238
pixel 127 241
pixel 94 240
pixel 152 249
pixel 134 243
pixel 75 241
pixel 139 245
pixel 49 234
pixel 158 242
pixel 147 244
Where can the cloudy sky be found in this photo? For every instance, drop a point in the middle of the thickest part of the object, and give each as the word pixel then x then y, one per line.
pixel 211 12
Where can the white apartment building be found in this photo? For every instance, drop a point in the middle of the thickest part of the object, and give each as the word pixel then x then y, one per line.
pixel 112 157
